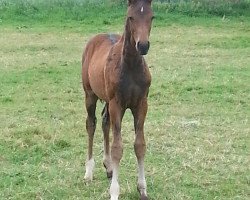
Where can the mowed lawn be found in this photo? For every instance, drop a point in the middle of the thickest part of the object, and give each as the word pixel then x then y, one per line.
pixel 197 128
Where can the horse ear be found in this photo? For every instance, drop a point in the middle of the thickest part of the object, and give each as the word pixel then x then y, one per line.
pixel 130 2
pixel 133 1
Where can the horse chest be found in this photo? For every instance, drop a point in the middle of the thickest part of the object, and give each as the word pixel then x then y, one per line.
pixel 127 82
pixel 131 89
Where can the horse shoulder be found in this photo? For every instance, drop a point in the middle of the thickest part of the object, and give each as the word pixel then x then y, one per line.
pixel 112 71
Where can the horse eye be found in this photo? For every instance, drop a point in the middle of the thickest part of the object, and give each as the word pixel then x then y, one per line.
pixel 131 18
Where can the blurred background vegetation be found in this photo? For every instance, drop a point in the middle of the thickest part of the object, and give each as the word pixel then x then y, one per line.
pixel 207 7
pixel 194 7
pixel 22 10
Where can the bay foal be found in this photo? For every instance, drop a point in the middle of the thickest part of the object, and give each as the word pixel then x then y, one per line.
pixel 114 70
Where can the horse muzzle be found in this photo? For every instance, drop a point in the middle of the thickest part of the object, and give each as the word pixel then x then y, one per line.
pixel 143 47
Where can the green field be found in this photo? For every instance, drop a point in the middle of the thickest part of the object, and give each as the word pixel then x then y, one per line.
pixel 197 128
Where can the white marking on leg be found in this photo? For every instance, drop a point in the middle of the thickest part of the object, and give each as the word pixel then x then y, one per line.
pixel 142 186
pixel 90 165
pixel 142 9
pixel 114 187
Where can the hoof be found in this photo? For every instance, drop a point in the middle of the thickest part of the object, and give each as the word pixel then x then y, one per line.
pixel 142 195
pixel 88 178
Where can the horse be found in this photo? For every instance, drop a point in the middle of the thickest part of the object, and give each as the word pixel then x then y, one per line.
pixel 114 71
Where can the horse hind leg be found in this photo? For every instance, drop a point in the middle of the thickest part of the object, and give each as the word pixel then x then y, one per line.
pixel 106 128
pixel 90 102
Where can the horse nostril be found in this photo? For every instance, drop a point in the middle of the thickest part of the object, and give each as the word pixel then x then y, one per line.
pixel 138 46
pixel 148 44
pixel 143 47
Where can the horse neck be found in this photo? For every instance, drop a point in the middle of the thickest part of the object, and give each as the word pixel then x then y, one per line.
pixel 130 56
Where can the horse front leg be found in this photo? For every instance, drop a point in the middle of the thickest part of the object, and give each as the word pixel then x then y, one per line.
pixel 116 113
pixel 139 114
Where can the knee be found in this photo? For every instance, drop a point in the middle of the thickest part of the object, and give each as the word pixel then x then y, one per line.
pixel 117 151
pixel 90 122
pixel 140 148
pixel 105 120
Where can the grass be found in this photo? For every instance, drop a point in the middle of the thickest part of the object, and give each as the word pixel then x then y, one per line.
pixel 197 128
